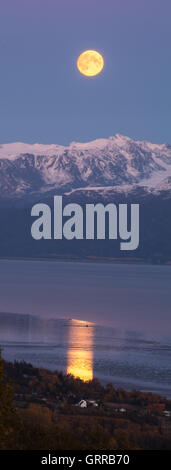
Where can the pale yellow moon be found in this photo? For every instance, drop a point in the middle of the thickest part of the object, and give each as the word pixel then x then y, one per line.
pixel 90 63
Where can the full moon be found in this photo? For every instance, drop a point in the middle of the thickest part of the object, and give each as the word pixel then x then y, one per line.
pixel 90 63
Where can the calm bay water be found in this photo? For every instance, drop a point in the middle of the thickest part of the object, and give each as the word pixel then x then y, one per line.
pixel 122 327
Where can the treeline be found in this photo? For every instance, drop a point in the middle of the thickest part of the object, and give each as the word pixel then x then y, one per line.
pixel 28 378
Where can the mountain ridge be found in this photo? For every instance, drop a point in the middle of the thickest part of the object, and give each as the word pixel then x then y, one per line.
pixel 118 162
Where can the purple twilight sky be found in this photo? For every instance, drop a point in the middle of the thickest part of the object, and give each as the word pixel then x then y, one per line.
pixel 43 97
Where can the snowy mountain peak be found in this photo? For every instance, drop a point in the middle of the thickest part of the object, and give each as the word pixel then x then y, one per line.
pixel 117 162
pixel 121 138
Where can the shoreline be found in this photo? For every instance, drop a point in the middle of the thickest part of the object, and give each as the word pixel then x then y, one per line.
pixel 127 385
pixel 90 260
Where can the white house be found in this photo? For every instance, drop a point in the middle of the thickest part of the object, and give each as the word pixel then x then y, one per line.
pixel 82 404
pixel 167 413
pixel 122 410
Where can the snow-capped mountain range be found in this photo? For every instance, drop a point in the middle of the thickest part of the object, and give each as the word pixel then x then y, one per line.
pixel 118 163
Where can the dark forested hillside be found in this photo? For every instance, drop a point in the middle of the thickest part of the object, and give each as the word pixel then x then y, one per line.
pixel 155 230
